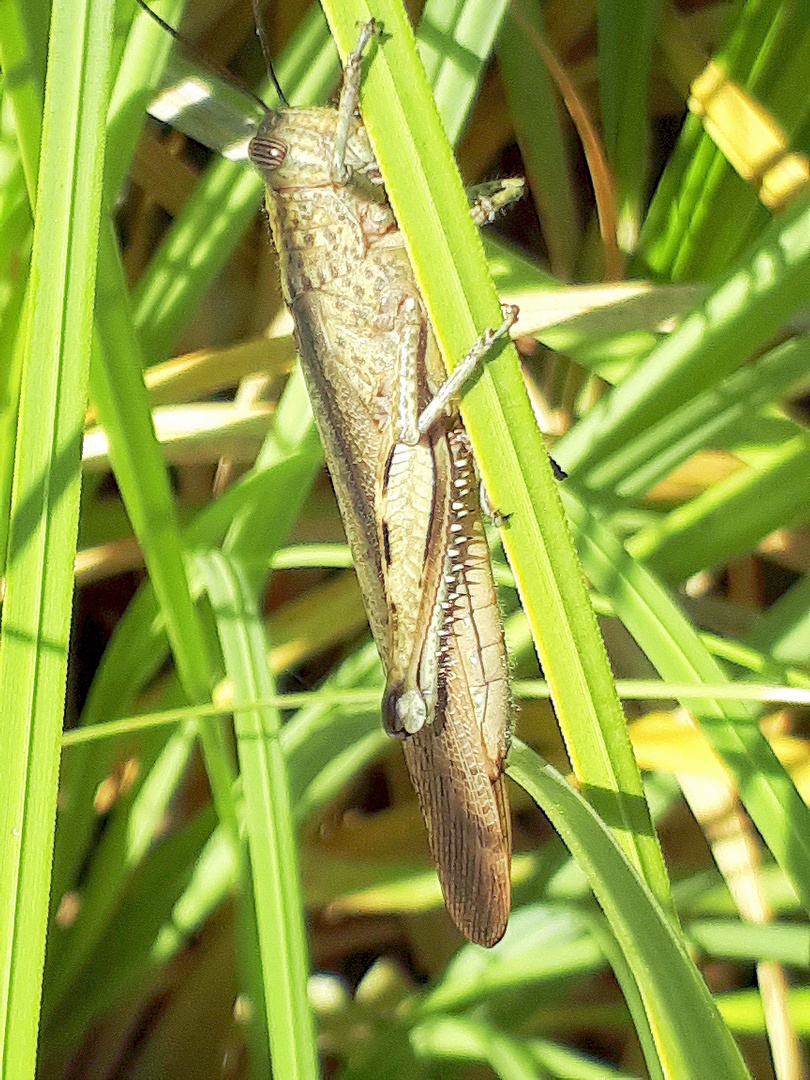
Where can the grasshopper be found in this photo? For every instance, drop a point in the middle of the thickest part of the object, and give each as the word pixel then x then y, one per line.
pixel 403 474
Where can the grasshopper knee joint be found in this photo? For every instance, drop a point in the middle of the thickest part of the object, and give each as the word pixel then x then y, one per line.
pixel 404 711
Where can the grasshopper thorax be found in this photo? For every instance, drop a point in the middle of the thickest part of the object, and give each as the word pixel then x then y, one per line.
pixel 294 148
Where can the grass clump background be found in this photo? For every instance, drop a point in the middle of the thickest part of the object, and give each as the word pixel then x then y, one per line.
pixel 240 872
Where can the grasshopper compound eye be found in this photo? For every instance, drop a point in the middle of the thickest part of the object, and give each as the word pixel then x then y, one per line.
pixel 266 153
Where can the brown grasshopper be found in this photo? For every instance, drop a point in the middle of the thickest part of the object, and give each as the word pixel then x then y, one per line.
pixel 402 470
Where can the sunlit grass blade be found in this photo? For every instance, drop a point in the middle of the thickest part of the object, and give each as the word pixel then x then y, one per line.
pixel 691 1039
pixel 733 516
pixel 454 42
pixel 268 821
pixel 45 503
pixel 754 302
pixel 221 207
pixel 538 130
pixel 136 651
pixel 704 212
pixel 122 403
pixel 712 418
pixel 674 648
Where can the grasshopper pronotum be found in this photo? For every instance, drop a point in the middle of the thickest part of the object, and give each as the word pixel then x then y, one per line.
pixel 402 470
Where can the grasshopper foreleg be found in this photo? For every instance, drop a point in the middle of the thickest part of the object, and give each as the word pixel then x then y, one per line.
pixel 349 94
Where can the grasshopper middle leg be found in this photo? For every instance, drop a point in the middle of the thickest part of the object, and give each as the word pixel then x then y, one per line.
pixel 446 393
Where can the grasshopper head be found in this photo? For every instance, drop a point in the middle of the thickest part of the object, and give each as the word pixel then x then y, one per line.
pixel 294 148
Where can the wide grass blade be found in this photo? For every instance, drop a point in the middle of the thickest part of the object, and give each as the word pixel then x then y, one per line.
pixel 45 503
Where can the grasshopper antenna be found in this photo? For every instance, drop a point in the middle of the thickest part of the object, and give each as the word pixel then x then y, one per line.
pixel 261 34
pixel 217 69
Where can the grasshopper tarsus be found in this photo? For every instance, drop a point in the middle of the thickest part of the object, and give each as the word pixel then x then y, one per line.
pixel 558 470
pixel 498 519
pixel 489 199
pixel 367 32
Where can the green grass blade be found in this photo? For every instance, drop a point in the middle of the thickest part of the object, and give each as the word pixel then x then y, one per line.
pixel 674 648
pixel 137 650
pixel 704 214
pixel 143 57
pixel 140 870
pixel 538 129
pixel 712 418
pixel 268 821
pixel 692 1041
pixel 165 903
pixel 623 87
pixel 752 304
pixel 23 46
pixel 220 209
pixel 459 1039
pixel 738 941
pixel 45 504
pixel 782 631
pixel 730 519
pixel 122 402
pixel 454 42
